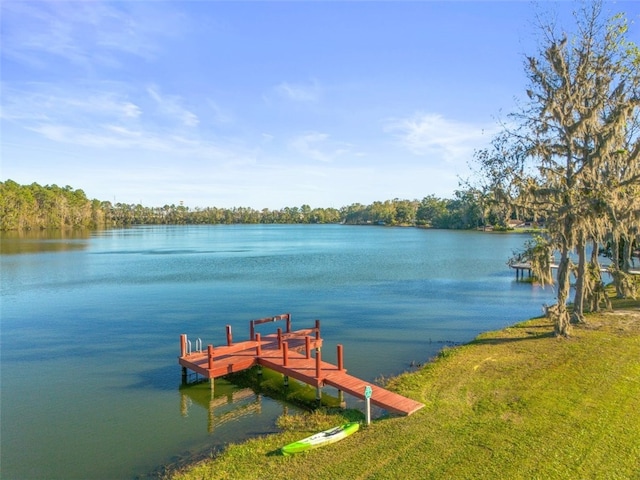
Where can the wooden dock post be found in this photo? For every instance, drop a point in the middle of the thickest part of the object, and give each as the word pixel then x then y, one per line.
pixel 259 352
pixel 258 346
pixel 285 354
pixel 183 352
pixel 183 345
pixel 229 336
pixel 210 365
pixel 307 346
pixel 279 338
pixel 318 382
pixel 285 362
pixel 210 356
pixel 317 331
pixel 318 361
pixel 340 368
pixel 288 323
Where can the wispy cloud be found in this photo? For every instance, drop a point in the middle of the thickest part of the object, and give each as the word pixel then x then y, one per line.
pixel 86 33
pixel 107 138
pixel 41 101
pixel 431 134
pixel 219 115
pixel 299 92
pixel 317 146
pixel 109 119
pixel 171 105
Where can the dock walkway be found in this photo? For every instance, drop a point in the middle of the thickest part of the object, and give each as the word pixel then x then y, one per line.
pixel 522 267
pixel 295 354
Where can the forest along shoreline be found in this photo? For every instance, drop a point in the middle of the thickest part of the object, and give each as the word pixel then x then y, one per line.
pixel 36 207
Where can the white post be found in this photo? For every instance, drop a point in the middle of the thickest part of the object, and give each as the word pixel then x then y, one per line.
pixel 368 410
pixel 367 399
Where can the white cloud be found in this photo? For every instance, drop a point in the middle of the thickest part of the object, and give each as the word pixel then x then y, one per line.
pixel 101 137
pixel 82 33
pixel 219 115
pixel 74 115
pixel 171 105
pixel 305 93
pixel 317 146
pixel 108 137
pixel 432 134
pixel 37 102
pixel 130 110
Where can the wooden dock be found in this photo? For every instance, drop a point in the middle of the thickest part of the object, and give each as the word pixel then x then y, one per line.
pixel 520 268
pixel 294 354
pixel 523 267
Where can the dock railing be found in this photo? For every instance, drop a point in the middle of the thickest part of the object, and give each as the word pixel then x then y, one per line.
pixel 275 318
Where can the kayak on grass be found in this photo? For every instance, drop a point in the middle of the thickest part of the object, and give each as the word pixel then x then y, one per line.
pixel 320 439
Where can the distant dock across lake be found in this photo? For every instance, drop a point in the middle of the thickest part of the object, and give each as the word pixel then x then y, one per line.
pixel 522 267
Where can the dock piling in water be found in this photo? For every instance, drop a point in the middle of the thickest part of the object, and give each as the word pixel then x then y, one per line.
pixel 229 336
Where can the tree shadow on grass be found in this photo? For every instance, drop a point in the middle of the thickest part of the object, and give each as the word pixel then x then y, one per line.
pixel 531 335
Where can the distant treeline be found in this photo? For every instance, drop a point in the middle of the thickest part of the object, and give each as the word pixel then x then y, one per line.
pixel 53 207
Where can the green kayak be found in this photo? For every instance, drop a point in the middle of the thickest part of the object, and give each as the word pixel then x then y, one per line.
pixel 320 439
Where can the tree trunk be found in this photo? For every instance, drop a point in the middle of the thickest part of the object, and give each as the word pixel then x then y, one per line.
pixel 561 314
pixel 596 293
pixel 615 262
pixel 581 279
pixel 626 253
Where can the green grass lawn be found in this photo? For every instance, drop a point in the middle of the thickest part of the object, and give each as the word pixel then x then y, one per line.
pixel 517 403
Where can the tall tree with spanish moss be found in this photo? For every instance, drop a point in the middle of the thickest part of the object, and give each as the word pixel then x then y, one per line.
pixel 574 156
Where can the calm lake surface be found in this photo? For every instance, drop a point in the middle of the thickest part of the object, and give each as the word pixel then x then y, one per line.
pixel 90 328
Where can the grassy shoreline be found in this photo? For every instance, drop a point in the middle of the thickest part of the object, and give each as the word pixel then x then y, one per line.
pixel 513 403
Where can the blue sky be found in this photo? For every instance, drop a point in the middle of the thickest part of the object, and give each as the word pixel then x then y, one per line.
pixel 260 104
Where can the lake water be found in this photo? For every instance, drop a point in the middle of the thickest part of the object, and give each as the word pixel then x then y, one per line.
pixel 90 328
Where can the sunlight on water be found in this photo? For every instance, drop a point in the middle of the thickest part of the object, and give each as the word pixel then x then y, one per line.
pixel 90 327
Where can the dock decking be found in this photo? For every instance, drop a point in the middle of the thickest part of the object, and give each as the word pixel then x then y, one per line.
pixel 522 267
pixel 295 354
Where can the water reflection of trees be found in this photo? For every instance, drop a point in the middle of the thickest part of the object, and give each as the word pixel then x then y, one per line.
pixel 42 241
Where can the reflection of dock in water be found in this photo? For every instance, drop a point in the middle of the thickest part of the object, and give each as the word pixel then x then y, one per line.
pixel 241 403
